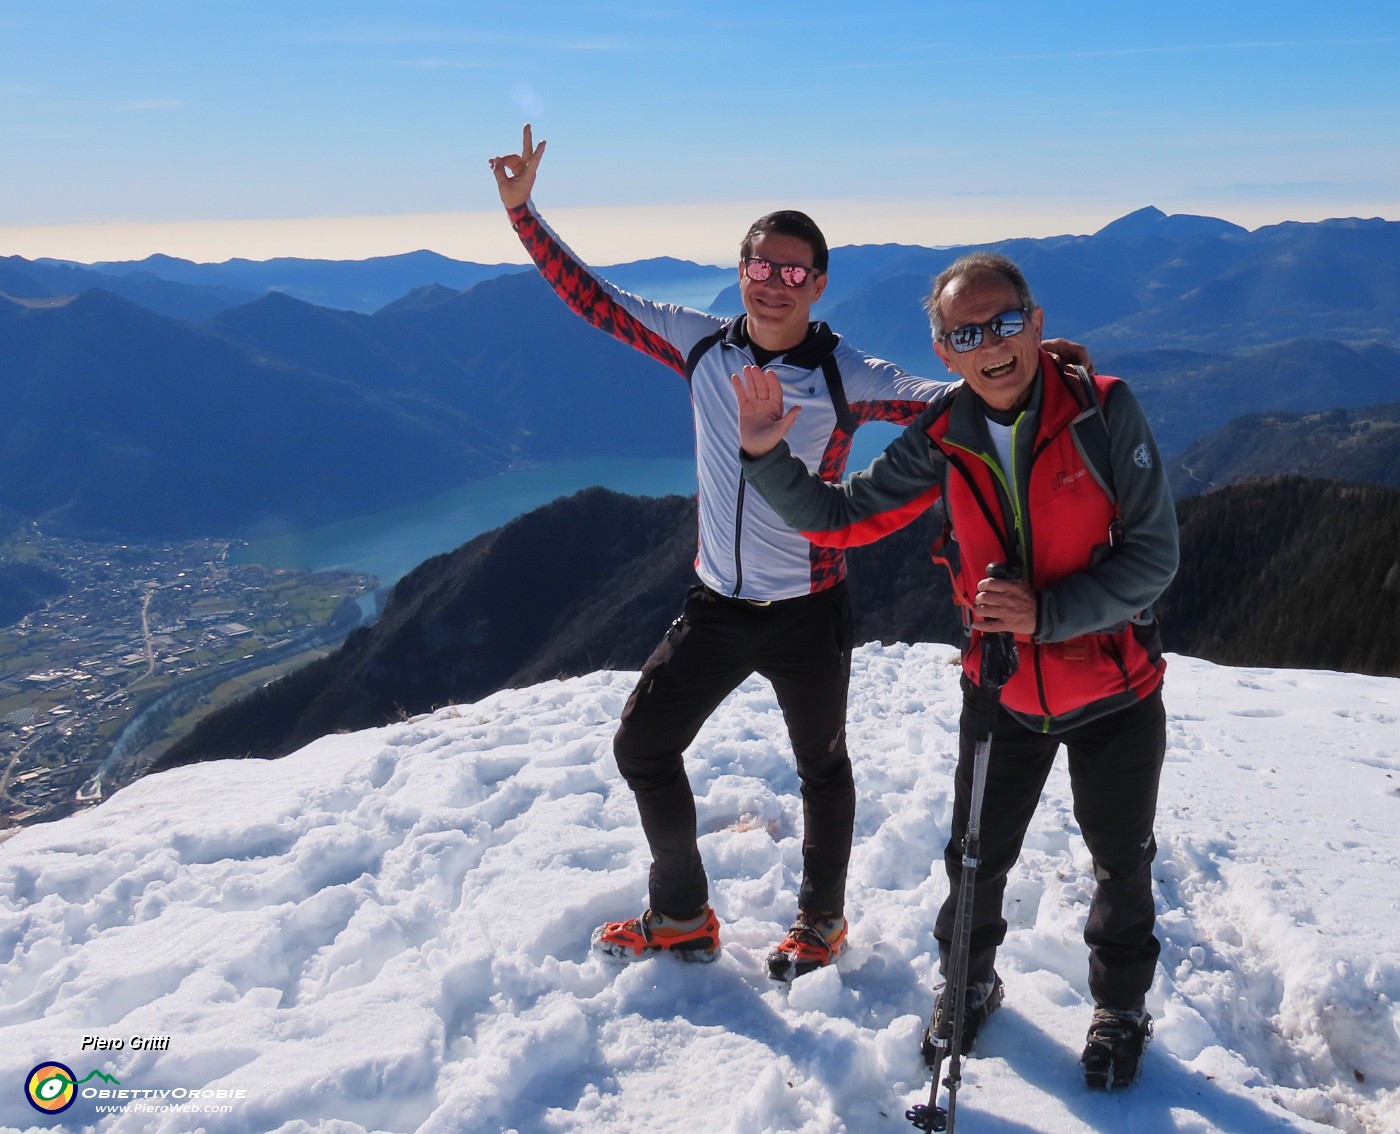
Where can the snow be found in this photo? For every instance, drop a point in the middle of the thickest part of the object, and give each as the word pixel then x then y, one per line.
pixel 388 931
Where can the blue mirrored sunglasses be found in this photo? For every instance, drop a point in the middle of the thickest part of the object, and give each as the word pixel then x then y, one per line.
pixel 969 337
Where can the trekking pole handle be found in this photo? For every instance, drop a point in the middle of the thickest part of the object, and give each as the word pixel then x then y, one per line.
pixel 999 657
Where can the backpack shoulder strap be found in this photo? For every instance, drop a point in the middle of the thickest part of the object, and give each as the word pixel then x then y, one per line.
pixel 1091 435
pixel 698 351
pixel 837 389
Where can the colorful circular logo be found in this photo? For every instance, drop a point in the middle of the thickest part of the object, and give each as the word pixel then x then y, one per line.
pixel 50 1087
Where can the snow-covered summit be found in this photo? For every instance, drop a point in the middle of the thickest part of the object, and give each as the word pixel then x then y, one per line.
pixel 388 931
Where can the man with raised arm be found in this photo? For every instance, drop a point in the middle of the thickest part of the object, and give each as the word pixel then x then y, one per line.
pixel 767 601
pixel 1055 476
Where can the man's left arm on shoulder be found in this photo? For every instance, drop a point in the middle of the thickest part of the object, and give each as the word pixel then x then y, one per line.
pixel 1069 353
pixel 878 390
pixel 1134 575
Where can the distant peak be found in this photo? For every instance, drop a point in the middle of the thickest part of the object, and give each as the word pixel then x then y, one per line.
pixel 1144 220
pixel 276 297
pixel 1147 212
pixel 151 262
pixel 421 299
pixel 1151 221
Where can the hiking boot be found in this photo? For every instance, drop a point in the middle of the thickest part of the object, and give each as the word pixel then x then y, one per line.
pixel 690 939
pixel 981 1000
pixel 813 942
pixel 1113 1055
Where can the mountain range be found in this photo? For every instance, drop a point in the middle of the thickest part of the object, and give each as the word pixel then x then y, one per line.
pixel 124 422
pixel 280 415
pixel 188 290
pixel 168 398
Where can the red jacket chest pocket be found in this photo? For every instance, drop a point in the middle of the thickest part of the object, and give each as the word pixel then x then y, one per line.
pixel 1072 516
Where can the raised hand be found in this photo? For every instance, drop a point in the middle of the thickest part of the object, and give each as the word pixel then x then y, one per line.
pixel 515 173
pixel 762 422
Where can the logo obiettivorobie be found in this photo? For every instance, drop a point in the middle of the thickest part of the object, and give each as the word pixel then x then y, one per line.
pixel 51 1087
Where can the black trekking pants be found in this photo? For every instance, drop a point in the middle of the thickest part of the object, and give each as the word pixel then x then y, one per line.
pixel 803 647
pixel 1115 763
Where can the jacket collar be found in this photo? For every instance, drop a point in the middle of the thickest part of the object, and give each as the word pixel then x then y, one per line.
pixel 1052 407
pixel 820 343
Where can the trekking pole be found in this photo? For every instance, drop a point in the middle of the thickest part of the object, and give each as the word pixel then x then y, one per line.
pixel 999 661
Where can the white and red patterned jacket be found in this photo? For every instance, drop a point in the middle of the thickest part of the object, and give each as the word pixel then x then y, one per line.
pixel 745 549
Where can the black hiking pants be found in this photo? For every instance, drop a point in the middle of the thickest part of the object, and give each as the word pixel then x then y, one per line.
pixel 1115 763
pixel 803 647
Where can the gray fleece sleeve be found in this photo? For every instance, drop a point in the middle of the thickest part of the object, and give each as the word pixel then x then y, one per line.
pixel 900 483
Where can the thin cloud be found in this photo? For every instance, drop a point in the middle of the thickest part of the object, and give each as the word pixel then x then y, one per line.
pixel 437 36
pixel 433 64
pixel 1256 189
pixel 398 33
pixel 144 104
pixel 1125 52
pixel 602 45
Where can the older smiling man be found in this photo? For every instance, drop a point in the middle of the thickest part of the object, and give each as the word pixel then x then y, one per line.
pixel 1056 476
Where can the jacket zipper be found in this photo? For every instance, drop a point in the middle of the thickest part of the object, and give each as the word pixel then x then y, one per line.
pixel 1010 485
pixel 1023 546
pixel 739 509
pixel 738 539
pixel 1045 718
pixel 1111 649
pixel 995 470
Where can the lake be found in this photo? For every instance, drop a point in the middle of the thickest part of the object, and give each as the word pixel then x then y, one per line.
pixel 390 544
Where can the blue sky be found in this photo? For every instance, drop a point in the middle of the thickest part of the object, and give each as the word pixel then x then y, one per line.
pixel 214 128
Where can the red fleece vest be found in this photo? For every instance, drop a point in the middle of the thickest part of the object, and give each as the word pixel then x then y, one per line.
pixel 1064 527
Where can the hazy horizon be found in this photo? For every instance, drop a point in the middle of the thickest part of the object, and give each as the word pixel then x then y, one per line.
pixel 703 234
